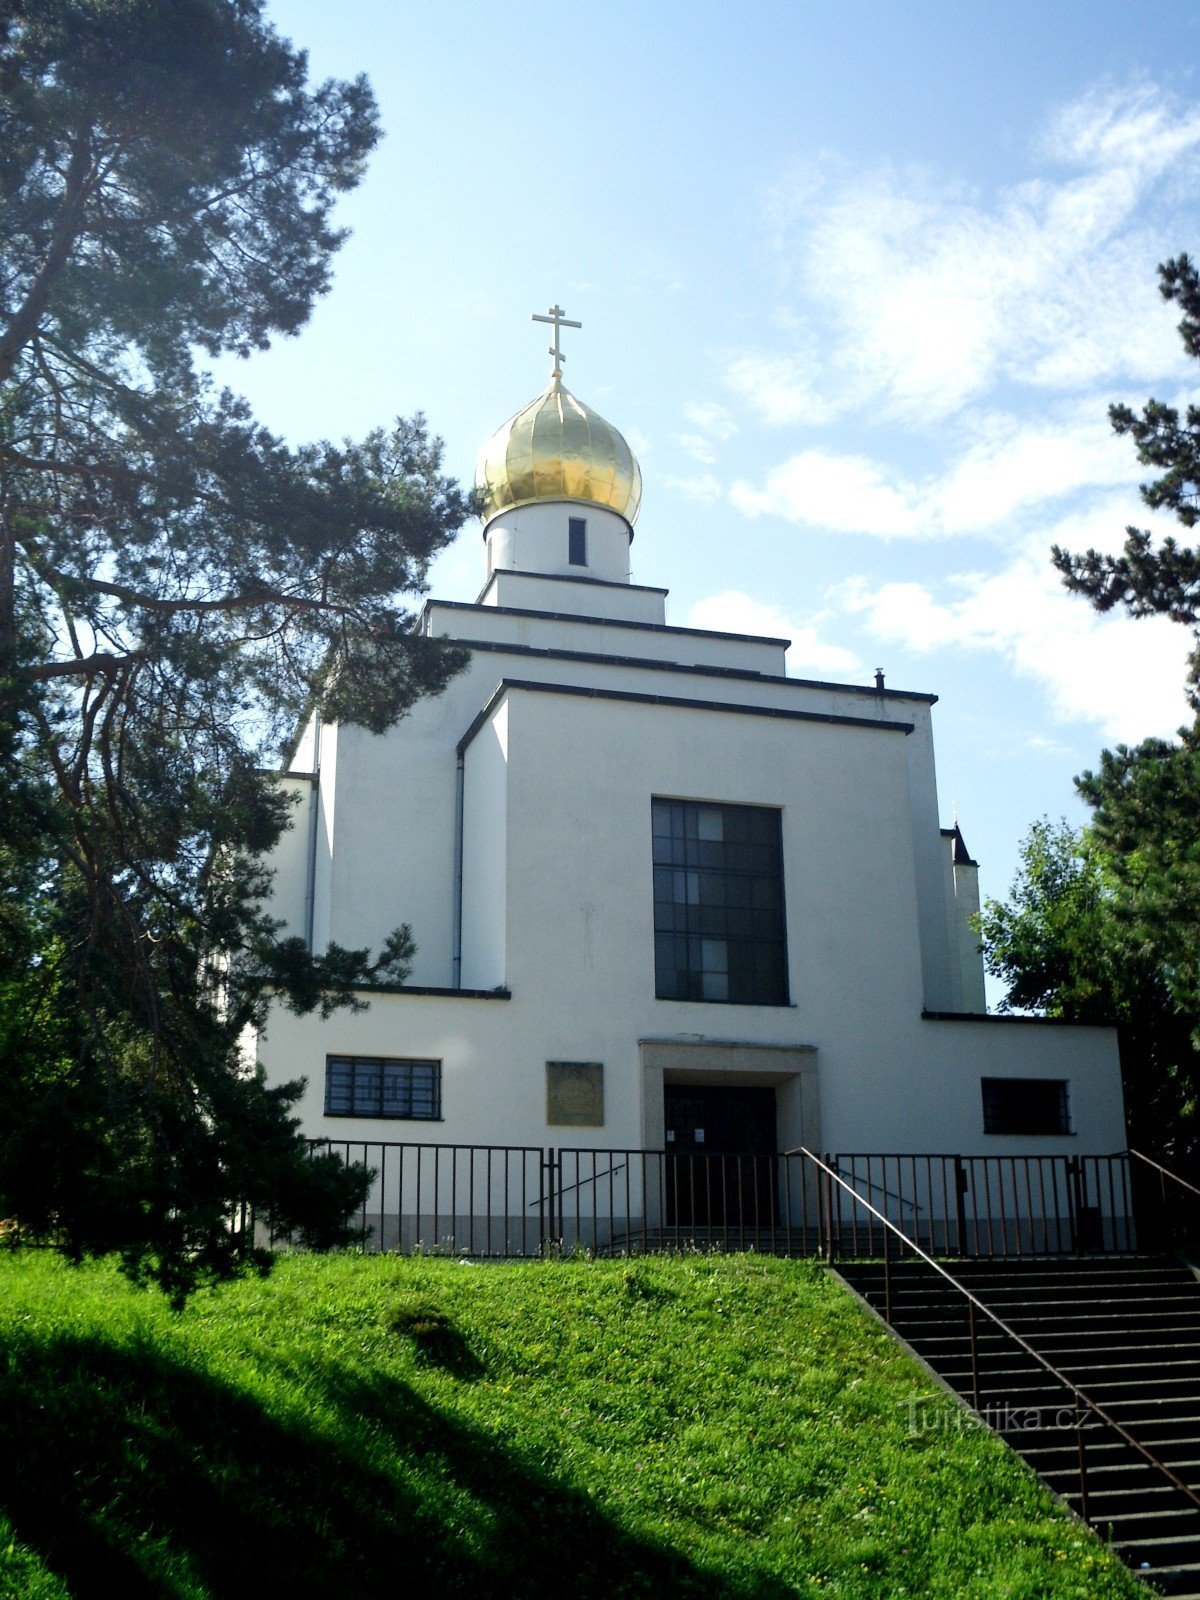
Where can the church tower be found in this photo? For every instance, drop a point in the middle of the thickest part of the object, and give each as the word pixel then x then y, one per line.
pixel 668 903
pixel 561 486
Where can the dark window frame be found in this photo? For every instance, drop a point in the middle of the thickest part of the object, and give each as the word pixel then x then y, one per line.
pixel 720 919
pixel 1026 1107
pixel 384 1088
pixel 577 541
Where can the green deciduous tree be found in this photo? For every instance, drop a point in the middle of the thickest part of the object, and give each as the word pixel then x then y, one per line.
pixel 1064 947
pixel 177 588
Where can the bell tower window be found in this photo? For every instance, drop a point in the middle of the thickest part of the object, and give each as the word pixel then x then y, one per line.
pixel 577 541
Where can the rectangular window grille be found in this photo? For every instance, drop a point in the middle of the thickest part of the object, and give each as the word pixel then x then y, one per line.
pixel 577 541
pixel 719 930
pixel 383 1086
pixel 1025 1105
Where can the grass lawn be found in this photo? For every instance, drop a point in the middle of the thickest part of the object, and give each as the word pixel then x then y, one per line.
pixel 711 1426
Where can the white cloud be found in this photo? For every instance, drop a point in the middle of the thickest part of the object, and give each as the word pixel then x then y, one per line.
pixel 781 389
pixel 705 487
pixel 917 299
pixel 712 419
pixel 1008 476
pixel 1123 675
pixel 846 493
pixel 713 425
pixel 1018 466
pixel 735 612
pixel 696 446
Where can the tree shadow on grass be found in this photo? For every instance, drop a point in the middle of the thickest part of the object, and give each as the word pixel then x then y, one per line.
pixel 130 1473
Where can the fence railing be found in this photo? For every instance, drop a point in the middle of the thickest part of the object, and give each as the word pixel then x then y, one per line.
pixel 456 1199
pixel 995 1205
pixel 836 1192
pixel 1167 1205
pixel 523 1200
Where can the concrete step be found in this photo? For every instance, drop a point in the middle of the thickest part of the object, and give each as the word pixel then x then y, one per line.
pixel 1127 1333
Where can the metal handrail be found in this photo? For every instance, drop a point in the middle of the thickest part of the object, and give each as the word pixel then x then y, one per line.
pixel 882 1188
pixel 1164 1172
pixel 560 1189
pixel 1081 1398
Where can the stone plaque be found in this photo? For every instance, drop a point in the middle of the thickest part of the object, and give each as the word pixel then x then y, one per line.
pixel 575 1094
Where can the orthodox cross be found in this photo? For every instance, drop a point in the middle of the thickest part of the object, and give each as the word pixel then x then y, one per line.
pixel 558 320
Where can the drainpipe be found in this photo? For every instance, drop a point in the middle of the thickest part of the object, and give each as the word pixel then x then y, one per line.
pixel 314 804
pixel 456 978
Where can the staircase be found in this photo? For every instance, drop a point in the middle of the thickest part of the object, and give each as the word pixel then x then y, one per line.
pixel 1125 1330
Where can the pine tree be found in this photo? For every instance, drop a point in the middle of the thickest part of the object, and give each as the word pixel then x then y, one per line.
pixel 1146 798
pixel 177 589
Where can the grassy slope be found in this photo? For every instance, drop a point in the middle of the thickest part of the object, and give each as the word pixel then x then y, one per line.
pixel 360 1427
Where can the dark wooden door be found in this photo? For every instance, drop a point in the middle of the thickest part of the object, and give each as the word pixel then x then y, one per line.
pixel 720 1163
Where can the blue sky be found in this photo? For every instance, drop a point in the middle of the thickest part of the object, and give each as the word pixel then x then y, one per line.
pixel 858 283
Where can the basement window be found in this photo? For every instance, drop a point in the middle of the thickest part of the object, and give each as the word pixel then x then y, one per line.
pixel 392 1087
pixel 1025 1105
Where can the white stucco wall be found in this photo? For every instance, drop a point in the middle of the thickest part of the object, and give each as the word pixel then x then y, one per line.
pixel 965 883
pixel 567 627
pixel 485 866
pixel 534 539
pixel 586 597
pixel 557 890
pixel 321 867
pixel 290 862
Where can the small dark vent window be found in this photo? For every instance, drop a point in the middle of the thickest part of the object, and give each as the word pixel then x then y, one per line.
pixel 1025 1105
pixel 577 541
pixel 383 1086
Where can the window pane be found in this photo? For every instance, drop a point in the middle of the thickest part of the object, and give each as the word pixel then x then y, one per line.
pixel 366 1088
pixel 1025 1105
pixel 397 1089
pixel 577 542
pixel 714 955
pixel 382 1086
pixel 339 1081
pixel 726 887
pixel 709 822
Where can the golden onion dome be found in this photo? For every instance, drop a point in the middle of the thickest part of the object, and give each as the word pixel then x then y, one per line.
pixel 556 448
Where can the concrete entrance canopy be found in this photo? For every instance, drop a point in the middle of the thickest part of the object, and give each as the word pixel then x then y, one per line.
pixel 790 1069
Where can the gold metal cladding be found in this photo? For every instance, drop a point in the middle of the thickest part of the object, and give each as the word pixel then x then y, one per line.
pixel 556 448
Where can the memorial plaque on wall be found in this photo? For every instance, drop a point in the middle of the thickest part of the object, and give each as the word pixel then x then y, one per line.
pixel 575 1094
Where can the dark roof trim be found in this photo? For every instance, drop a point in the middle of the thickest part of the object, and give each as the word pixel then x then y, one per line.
pixel 562 577
pixel 434 990
pixel 781 712
pixel 959 854
pixel 601 622
pixel 651 664
pixel 1007 1020
pixel 662 627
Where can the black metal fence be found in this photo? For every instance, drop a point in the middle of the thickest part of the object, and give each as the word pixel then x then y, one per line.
pixel 996 1205
pixel 527 1200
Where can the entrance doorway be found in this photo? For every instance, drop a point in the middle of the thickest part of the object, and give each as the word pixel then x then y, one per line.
pixel 720 1162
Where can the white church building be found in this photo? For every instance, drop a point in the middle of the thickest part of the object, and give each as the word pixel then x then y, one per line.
pixel 665 897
